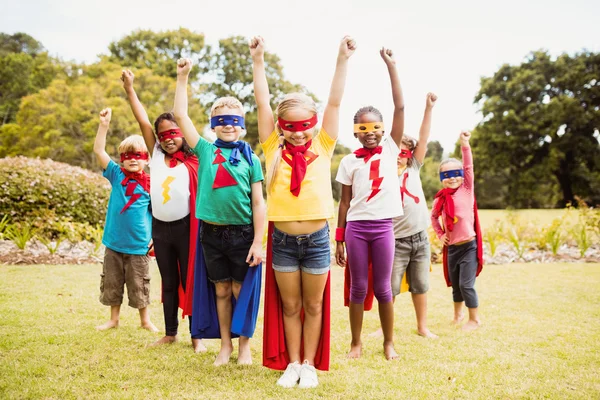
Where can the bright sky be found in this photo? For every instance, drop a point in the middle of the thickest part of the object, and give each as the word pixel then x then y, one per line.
pixel 441 46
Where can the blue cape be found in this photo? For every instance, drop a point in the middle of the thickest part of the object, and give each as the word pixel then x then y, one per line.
pixel 205 322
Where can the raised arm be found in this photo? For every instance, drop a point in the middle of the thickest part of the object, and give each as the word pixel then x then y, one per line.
pixel 100 142
pixel 331 117
pixel 138 110
pixel 266 123
pixel 467 156
pixel 180 109
pixel 425 130
pixel 398 122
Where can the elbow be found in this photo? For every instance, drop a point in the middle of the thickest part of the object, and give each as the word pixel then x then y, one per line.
pixel 399 108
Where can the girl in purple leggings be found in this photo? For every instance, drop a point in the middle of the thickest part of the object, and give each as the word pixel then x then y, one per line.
pixel 370 199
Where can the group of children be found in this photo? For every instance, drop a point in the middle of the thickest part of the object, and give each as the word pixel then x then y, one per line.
pixel 201 210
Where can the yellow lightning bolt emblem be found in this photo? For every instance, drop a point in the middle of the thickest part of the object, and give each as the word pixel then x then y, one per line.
pixel 165 186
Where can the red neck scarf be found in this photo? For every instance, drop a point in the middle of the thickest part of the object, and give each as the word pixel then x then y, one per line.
pixel 299 165
pixel 132 179
pixel 179 155
pixel 446 203
pixel 367 153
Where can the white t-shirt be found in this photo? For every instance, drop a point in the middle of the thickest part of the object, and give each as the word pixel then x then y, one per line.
pixel 169 188
pixel 416 215
pixel 372 196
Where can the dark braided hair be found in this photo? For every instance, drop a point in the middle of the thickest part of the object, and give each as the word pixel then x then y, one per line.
pixel 168 116
pixel 367 110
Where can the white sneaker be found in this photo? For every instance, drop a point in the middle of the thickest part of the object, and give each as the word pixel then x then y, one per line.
pixel 291 375
pixel 308 376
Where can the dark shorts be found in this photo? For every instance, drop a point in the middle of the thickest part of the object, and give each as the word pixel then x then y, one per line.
pixel 225 250
pixel 310 253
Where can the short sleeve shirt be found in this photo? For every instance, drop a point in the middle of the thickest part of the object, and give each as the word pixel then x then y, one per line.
pixel 416 216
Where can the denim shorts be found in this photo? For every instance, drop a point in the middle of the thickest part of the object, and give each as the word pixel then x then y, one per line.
pixel 413 257
pixel 311 253
pixel 225 250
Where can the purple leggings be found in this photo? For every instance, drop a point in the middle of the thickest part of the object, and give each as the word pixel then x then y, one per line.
pixel 377 238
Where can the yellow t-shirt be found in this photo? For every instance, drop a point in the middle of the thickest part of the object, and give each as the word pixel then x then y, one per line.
pixel 315 200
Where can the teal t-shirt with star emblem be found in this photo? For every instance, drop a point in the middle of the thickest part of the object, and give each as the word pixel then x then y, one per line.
pixel 224 191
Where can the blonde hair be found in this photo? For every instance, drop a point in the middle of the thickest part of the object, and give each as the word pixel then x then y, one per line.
pixel 133 143
pixel 290 102
pixel 448 161
pixel 412 144
pixel 229 102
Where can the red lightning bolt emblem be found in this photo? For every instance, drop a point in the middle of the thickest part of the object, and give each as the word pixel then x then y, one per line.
pixel 374 176
pixel 129 192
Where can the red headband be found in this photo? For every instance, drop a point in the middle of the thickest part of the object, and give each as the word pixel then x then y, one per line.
pixel 169 134
pixel 297 126
pixel 405 153
pixel 134 155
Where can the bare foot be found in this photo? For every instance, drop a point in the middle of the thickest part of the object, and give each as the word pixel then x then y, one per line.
pixel 355 350
pixel 223 356
pixel 109 325
pixel 426 333
pixel 458 318
pixel 149 326
pixel 471 325
pixel 377 334
pixel 244 354
pixel 389 351
pixel 198 346
pixel 165 340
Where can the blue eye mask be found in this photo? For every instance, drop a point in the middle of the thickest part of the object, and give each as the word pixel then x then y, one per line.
pixel 224 120
pixel 453 173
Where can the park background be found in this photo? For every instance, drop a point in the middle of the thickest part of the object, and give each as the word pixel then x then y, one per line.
pixel 523 76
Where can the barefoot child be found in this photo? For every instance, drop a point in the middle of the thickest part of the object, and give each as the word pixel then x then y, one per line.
pixel 174 180
pixel 412 252
pixel 230 205
pixel 370 199
pixel 128 229
pixel 459 232
pixel 299 202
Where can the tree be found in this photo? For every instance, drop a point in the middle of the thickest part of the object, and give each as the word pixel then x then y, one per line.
pixel 435 151
pixel 159 51
pixel 539 133
pixel 229 73
pixel 19 43
pixel 60 122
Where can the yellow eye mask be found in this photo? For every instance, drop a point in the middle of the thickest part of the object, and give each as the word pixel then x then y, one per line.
pixel 368 127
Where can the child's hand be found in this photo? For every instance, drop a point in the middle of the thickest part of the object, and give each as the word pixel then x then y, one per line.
pixel 257 47
pixel 464 137
pixel 388 56
pixel 254 255
pixel 127 78
pixel 444 239
pixel 105 116
pixel 431 99
pixel 347 47
pixel 184 66
pixel 340 257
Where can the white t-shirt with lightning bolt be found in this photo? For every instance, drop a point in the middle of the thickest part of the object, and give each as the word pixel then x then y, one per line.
pixel 169 188
pixel 375 186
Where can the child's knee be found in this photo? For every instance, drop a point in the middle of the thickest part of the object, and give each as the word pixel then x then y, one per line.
pixel 313 307
pixel 358 294
pixel 292 307
pixel 223 289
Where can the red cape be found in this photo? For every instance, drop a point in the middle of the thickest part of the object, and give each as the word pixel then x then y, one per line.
pixel 186 297
pixel 479 249
pixel 275 354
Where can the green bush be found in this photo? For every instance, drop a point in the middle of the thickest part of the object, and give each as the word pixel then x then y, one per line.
pixel 50 194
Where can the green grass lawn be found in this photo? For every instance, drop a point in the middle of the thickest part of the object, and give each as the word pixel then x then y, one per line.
pixel 540 339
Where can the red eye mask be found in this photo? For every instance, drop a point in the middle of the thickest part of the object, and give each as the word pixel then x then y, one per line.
pixel 405 153
pixel 170 134
pixel 133 155
pixel 297 126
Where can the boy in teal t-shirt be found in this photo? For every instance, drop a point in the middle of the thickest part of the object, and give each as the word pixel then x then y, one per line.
pixel 229 202
pixel 128 229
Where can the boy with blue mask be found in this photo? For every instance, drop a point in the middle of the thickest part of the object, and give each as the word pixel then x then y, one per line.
pixel 230 204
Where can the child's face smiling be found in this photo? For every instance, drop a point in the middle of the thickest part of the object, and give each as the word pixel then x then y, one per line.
pixel 228 133
pixel 170 146
pixel 453 182
pixel 299 138
pixel 371 139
